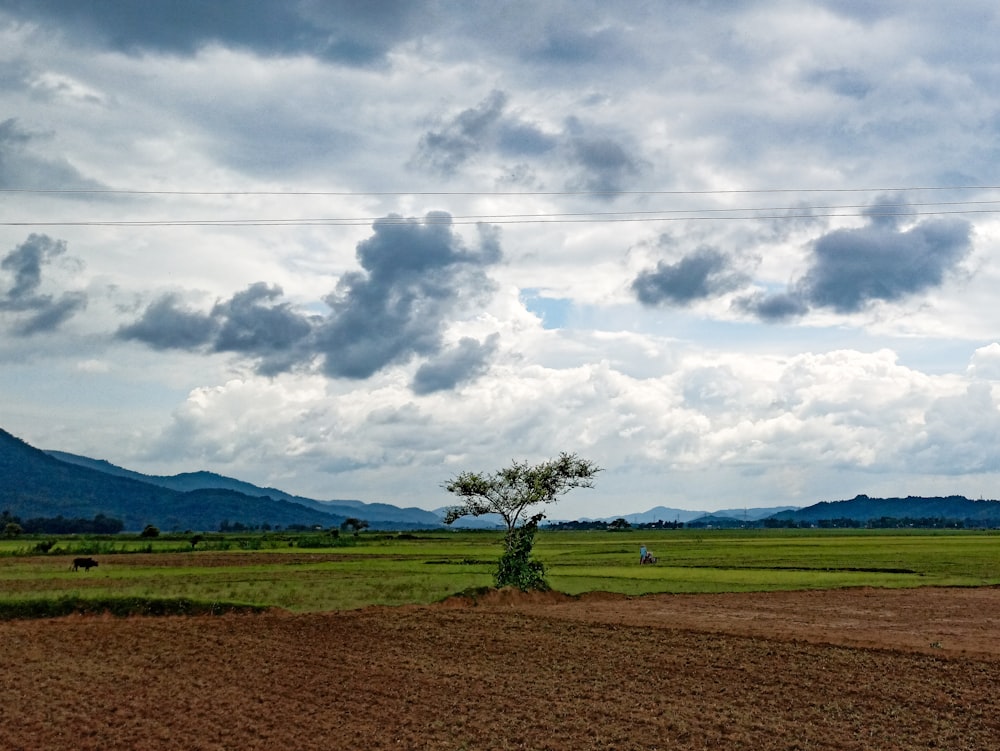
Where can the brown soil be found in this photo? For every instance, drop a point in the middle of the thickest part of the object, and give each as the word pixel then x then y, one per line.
pixel 854 669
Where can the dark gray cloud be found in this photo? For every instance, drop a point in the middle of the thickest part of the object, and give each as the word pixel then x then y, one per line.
pixel 446 150
pixel 483 128
pixel 521 139
pixel 853 267
pixel 167 325
pixel 414 275
pixel 30 311
pixel 605 165
pixel 776 307
pixel 888 212
pixel 339 30
pixel 599 163
pixel 460 364
pixel 254 322
pixel 363 33
pixel 24 263
pixel 702 274
pixel 52 314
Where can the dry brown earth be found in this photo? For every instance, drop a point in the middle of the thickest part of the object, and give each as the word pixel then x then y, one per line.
pixel 853 669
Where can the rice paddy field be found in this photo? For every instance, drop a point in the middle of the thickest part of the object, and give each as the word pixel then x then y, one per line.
pixel 305 573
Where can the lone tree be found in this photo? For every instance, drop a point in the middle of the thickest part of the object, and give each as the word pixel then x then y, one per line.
pixel 356 524
pixel 509 493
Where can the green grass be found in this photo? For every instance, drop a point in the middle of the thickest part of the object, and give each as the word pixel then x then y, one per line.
pixel 394 570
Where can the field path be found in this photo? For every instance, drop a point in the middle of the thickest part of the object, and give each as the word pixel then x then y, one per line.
pixel 854 669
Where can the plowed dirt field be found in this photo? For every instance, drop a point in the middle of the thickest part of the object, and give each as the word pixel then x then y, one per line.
pixel 853 669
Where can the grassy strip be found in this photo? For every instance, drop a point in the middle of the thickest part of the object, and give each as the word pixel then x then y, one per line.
pixel 121 607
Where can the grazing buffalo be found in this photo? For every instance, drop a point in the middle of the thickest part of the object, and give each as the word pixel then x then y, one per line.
pixel 85 563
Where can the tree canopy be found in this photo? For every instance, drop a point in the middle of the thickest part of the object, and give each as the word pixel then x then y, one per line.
pixel 510 491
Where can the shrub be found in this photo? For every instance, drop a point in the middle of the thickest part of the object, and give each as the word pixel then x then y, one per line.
pixel 324 541
pixel 516 568
pixel 43 546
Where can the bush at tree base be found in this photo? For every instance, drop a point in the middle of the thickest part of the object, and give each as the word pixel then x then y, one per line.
pixel 516 569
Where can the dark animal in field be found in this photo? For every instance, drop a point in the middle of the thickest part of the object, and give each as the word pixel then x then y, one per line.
pixel 85 563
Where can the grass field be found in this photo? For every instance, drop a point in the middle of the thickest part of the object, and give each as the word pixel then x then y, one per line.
pixel 385 569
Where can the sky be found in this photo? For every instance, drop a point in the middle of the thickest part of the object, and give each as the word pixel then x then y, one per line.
pixel 738 254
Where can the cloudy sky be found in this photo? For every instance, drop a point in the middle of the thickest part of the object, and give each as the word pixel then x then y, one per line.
pixel 739 254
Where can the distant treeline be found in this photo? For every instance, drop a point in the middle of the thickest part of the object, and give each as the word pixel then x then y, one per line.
pixel 59 525
pixel 884 522
pixel 227 526
pixel 612 526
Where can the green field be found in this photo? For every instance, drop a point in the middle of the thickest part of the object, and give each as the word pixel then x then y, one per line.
pixel 386 569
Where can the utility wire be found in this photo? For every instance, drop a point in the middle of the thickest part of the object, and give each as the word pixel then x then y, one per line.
pixel 801 211
pixel 734 191
pixel 747 191
pixel 669 215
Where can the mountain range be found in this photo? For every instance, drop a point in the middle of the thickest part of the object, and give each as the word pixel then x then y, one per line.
pixel 46 484
pixel 376 514
pixel 36 483
pixel 918 509
pixel 662 513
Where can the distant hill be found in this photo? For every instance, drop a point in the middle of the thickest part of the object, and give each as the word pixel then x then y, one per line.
pixel 713 521
pixel 658 513
pixel 379 515
pixel 732 518
pixel 183 482
pixel 486 521
pixel 750 514
pixel 864 509
pixel 662 513
pixel 34 484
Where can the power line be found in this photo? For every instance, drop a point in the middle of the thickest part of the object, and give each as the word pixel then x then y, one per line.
pixel 745 213
pixel 667 215
pixel 727 191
